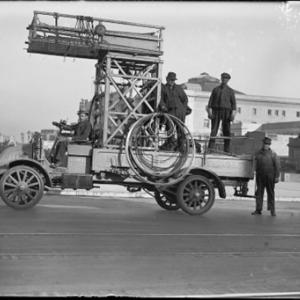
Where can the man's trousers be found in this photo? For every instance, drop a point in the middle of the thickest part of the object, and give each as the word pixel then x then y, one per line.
pixel 220 115
pixel 265 182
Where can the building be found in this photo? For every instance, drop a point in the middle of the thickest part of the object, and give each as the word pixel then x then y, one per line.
pixel 252 110
pixel 48 137
pixel 294 153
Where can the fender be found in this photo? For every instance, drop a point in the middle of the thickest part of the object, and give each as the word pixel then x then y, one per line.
pixel 31 163
pixel 211 175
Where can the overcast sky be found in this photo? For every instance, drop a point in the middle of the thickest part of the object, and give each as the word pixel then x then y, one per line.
pixel 258 43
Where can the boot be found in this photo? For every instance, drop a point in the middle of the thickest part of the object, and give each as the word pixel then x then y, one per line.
pixel 256 212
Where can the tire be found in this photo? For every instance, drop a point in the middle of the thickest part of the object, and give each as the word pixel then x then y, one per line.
pixel 165 201
pixel 195 195
pixel 21 187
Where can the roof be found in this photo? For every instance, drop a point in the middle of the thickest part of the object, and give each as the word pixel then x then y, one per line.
pixel 292 127
pixel 206 82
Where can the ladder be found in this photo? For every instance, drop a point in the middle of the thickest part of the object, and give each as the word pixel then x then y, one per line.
pixel 128 69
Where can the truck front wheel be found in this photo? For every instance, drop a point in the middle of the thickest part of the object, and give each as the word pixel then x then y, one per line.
pixel 21 187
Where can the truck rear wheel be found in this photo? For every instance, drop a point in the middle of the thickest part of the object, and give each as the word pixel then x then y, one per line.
pixel 166 201
pixel 195 195
pixel 21 187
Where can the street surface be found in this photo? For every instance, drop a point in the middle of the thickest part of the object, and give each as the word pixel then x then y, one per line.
pixel 87 246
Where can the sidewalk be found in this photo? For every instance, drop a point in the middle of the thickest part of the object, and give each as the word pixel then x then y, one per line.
pixel 284 191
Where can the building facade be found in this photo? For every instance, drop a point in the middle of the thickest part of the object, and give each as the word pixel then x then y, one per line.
pixel 252 110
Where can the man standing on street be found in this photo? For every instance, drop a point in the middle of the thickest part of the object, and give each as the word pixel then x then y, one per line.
pixel 267 168
pixel 221 108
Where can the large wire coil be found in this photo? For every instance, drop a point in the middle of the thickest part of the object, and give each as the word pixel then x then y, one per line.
pixel 159 149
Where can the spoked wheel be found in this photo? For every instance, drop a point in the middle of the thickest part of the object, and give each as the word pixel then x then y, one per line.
pixel 21 187
pixel 196 195
pixel 166 201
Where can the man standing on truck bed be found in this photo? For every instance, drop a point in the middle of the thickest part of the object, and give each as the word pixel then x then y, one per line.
pixel 221 108
pixel 174 101
pixel 267 174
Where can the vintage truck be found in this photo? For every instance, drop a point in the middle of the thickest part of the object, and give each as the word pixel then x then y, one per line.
pixel 125 147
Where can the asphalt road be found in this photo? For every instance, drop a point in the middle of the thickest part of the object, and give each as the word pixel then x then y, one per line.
pixel 86 246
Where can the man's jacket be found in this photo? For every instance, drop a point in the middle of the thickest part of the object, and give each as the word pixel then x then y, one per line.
pixel 267 163
pixel 222 97
pixel 82 130
pixel 174 100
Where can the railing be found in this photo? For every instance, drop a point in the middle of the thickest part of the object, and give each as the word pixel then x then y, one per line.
pixel 85 30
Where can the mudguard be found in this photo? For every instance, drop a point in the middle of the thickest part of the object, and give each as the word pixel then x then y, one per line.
pixel 213 176
pixel 15 156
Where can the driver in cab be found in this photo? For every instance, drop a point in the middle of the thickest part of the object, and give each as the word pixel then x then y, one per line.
pixel 82 131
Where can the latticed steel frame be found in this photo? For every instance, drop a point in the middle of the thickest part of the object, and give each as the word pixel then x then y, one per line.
pixel 128 87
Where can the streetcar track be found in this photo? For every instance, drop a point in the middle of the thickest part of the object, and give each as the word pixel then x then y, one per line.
pixel 123 234
pixel 11 256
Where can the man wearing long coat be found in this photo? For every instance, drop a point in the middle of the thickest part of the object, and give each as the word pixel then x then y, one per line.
pixel 173 98
pixel 267 168
pixel 174 101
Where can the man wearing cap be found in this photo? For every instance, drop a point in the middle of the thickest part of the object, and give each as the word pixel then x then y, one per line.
pixel 83 128
pixel 174 101
pixel 173 98
pixel 221 108
pixel 267 168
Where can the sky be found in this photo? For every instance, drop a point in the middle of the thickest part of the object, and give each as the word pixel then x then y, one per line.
pixel 258 43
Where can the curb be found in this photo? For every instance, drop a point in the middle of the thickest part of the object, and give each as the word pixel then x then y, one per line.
pixel 83 193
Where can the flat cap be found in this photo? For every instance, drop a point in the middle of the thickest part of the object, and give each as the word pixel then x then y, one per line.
pixel 225 75
pixel 82 111
pixel 267 141
pixel 172 76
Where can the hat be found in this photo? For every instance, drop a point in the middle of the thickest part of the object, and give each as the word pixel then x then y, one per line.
pixel 172 76
pixel 225 75
pixel 82 111
pixel 267 141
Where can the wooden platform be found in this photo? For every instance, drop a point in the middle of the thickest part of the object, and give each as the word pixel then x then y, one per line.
pixel 79 37
pixel 225 166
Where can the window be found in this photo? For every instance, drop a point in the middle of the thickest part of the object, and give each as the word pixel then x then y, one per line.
pixel 298 114
pixel 273 136
pixel 270 112
pixel 276 112
pixel 206 123
pixel 254 111
pixel 283 113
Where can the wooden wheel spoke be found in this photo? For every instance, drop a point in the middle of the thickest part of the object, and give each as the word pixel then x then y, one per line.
pixel 29 196
pixel 186 193
pixel 33 184
pixel 19 175
pixel 8 193
pixel 13 179
pixel 30 178
pixel 13 196
pixel 10 184
pixel 194 205
pixel 23 198
pixel 32 190
pixel 24 175
pixel 196 185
